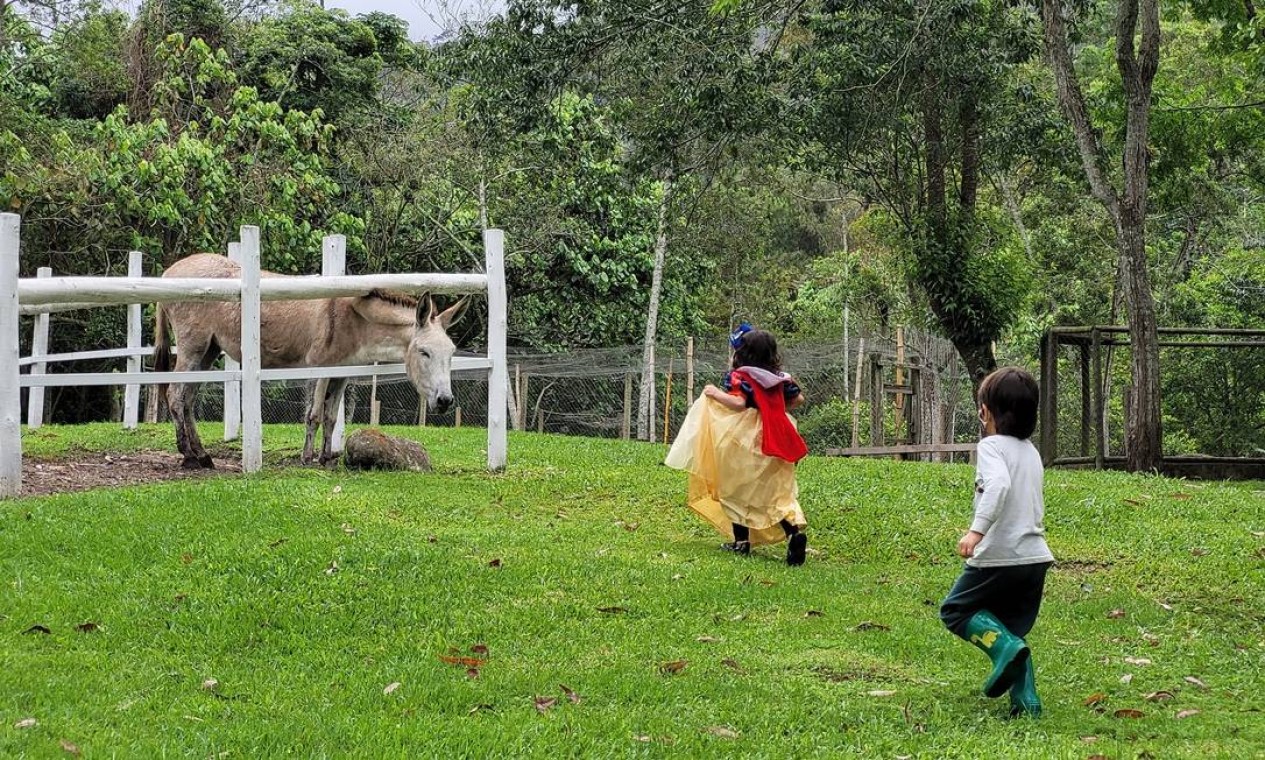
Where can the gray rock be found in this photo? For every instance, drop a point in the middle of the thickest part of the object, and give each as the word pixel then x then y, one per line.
pixel 370 449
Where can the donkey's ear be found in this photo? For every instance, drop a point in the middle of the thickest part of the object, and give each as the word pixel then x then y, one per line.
pixel 425 309
pixel 454 313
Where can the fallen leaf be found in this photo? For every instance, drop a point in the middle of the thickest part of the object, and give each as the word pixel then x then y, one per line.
pixel 1095 698
pixel 1128 713
pixel 677 577
pixel 814 613
pixel 88 627
pixel 612 610
pixel 673 668
pixel 431 539
pixel 348 529
pixel 472 673
pixel 544 703
pixel 1165 607
pixel 1159 696
pixel 868 625
pixel 70 747
pixel 1179 495
pixel 707 640
pixel 571 693
pixel 1195 682
pixel 468 662
pixel 1134 502
pixel 630 527
pixel 881 693
pixel 1097 757
pixel 495 563
pixel 26 723
pixel 641 738
pixel 1199 551
pixel 732 665
pixel 1126 678
pixel 1151 639
pixel 483 707
pixel 479 649
pixel 38 629
pixel 1186 714
pixel 333 567
pixel 1259 533
pixel 1116 614
pixel 767 582
pixel 210 684
pixel 1140 661
pixel 186 558
pixel 723 732
pixel 391 687
pixel 1089 739
pixel 337 489
pixel 278 542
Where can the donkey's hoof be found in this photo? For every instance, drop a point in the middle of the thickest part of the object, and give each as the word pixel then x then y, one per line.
pixel 330 460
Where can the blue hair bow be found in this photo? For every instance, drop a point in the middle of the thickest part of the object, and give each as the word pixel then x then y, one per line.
pixel 735 339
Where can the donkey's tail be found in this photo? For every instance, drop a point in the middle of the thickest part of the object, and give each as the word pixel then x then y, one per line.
pixel 162 346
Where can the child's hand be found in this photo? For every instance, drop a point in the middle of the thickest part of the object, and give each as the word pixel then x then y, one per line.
pixel 712 391
pixel 966 546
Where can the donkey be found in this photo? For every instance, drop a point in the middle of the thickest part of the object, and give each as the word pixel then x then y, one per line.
pixel 382 326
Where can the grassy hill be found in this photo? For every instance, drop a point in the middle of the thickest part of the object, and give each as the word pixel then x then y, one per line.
pixel 322 613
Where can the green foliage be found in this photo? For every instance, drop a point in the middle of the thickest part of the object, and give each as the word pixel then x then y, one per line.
pixel 89 76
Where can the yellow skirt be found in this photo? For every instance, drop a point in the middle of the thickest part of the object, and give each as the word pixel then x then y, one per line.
pixel 731 481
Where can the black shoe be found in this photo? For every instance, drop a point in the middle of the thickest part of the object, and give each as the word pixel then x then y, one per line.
pixel 796 549
pixel 737 547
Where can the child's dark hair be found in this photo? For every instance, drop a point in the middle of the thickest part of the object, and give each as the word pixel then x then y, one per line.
pixel 1011 395
pixel 758 349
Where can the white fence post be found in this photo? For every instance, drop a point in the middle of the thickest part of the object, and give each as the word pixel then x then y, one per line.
pixel 10 387
pixel 132 393
pixel 39 347
pixel 252 392
pixel 498 324
pixel 334 262
pixel 233 388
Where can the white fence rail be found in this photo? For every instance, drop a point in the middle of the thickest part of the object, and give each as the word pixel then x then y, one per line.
pixel 47 294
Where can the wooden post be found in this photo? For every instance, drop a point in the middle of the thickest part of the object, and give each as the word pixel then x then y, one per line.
pixel 132 393
pixel 689 369
pixel 523 387
pixel 421 410
pixel 498 327
pixel 900 381
pixel 626 430
pixel 1087 408
pixel 845 341
pixel 1100 445
pixel 252 390
pixel 456 417
pixel 39 347
pixel 516 398
pixel 10 385
pixel 232 388
pixel 876 401
pixel 856 395
pixel 1046 405
pixel 540 420
pixel 667 404
pixel 375 409
pixel 334 262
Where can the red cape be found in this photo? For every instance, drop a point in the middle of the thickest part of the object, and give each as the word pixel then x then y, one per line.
pixel 780 439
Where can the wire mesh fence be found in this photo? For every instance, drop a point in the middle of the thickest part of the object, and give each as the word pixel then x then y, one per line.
pixel 924 396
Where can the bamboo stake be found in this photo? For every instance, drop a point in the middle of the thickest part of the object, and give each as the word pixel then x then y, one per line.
pixel 856 395
pixel 667 404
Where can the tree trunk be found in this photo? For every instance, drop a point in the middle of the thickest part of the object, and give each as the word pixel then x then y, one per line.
pixel 1143 430
pixel 646 404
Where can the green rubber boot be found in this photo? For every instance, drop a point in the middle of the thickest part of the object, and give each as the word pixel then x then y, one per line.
pixel 1023 694
pixel 1007 651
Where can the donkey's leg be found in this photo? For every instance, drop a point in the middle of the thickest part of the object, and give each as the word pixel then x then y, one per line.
pixel 193 354
pixel 315 412
pixel 333 401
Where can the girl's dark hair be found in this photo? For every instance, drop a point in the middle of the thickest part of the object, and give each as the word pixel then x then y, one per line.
pixel 1011 395
pixel 758 349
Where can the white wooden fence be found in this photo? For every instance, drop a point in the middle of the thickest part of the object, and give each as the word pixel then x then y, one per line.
pixel 45 294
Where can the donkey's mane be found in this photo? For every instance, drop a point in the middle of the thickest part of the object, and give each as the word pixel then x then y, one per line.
pixel 393 297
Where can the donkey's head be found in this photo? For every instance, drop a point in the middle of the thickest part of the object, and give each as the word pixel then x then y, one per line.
pixel 428 360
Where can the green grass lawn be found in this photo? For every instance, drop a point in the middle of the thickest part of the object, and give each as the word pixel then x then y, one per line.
pixel 306 593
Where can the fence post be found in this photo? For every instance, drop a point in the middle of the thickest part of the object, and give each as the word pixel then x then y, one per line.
pixel 233 388
pixel 877 397
pixel 856 396
pixel 334 262
pixel 10 385
pixel 252 392
pixel 626 431
pixel 39 347
pixel 689 369
pixel 132 393
pixel 375 409
pixel 498 326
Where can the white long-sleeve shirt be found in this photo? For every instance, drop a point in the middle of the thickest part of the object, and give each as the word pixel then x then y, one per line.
pixel 1009 506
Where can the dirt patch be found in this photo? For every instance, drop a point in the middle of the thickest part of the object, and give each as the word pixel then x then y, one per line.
pixel 86 470
pixel 1080 567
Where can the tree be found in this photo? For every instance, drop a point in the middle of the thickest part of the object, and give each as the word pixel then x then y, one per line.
pixel 1126 206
